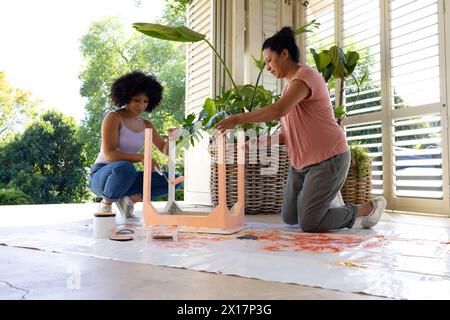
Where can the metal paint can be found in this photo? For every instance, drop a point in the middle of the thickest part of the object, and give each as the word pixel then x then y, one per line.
pixel 104 224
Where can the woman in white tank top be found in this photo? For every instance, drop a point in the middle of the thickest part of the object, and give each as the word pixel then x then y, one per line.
pixel 113 175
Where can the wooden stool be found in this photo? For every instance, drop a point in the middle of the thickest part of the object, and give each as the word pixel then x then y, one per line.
pixel 220 219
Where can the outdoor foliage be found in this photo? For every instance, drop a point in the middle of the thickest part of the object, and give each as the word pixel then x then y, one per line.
pixel 16 108
pixel 179 196
pixel 13 197
pixel 108 54
pixel 46 162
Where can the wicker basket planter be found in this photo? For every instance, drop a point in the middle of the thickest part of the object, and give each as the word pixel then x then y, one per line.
pixel 355 190
pixel 263 193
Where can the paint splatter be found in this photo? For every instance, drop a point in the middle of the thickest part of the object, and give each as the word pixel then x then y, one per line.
pixel 284 241
pixel 314 242
pixel 276 240
pixel 351 264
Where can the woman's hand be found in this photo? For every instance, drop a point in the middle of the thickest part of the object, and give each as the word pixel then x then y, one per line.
pixel 228 123
pixel 173 133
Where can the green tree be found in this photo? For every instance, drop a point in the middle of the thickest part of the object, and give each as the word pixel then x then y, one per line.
pixel 109 53
pixel 16 107
pixel 46 162
pixel 178 7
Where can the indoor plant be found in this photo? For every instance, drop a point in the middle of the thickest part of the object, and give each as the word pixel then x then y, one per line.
pixel 238 99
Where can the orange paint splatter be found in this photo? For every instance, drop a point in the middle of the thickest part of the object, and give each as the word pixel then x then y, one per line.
pixel 314 242
pixel 281 240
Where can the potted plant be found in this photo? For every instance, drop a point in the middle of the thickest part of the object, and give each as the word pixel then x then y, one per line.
pixel 335 65
pixel 262 192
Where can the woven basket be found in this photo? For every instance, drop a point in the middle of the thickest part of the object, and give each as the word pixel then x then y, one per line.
pixel 263 193
pixel 354 190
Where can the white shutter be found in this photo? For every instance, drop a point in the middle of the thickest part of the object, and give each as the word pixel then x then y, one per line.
pixel 270 18
pixel 199 86
pixel 400 107
pixel 415 82
pixel 361 33
pixel 414 53
pixel 418 157
pixel 323 12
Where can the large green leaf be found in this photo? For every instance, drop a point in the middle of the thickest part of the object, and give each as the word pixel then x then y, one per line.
pixel 216 118
pixel 352 58
pixel 339 112
pixel 180 34
pixel 339 61
pixel 246 91
pixel 328 72
pixel 316 58
pixel 209 110
pixel 324 60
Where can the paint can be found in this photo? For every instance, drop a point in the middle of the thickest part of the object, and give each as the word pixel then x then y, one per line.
pixel 104 224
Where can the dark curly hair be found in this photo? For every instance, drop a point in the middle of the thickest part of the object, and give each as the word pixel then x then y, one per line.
pixel 283 39
pixel 134 83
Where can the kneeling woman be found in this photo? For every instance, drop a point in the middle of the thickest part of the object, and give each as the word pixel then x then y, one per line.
pixel 113 175
pixel 317 147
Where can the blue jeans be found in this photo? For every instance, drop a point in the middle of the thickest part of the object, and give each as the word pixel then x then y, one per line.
pixel 118 179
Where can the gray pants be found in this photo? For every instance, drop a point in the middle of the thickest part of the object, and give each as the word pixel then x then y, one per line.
pixel 308 194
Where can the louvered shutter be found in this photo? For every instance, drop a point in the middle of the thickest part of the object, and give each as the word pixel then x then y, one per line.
pixel 361 33
pixel 270 27
pixel 199 86
pixel 415 82
pixel 399 110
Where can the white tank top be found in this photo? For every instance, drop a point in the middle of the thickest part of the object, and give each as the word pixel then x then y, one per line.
pixel 129 142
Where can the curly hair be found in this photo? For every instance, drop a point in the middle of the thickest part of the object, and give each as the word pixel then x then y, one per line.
pixel 134 83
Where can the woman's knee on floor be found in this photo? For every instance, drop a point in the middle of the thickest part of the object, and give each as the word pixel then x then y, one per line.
pixel 310 221
pixel 289 218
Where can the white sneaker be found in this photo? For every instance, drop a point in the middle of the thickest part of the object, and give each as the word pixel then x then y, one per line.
pixel 104 207
pixel 126 209
pixel 379 204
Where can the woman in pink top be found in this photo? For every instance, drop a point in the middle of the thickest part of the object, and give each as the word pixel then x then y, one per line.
pixel 317 148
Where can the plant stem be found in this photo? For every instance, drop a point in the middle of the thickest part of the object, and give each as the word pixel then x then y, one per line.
pixel 341 91
pixel 256 88
pixel 224 65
